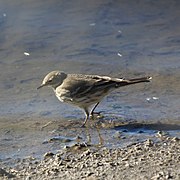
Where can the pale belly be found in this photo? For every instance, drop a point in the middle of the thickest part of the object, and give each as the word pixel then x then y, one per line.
pixel 84 101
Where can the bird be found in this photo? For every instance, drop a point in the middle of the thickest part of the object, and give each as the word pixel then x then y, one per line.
pixel 85 91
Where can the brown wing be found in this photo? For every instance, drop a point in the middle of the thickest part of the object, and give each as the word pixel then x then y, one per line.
pixel 81 85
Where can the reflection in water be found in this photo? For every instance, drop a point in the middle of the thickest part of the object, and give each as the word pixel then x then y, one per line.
pixel 96 128
pixel 101 140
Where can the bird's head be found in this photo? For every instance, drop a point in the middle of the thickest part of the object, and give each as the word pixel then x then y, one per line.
pixel 53 79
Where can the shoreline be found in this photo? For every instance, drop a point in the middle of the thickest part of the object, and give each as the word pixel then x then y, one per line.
pixel 143 160
pixel 70 152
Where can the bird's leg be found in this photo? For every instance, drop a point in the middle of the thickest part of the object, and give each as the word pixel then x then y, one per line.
pixel 87 116
pixel 92 111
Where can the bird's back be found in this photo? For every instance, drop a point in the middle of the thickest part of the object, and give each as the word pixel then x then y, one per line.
pixel 85 90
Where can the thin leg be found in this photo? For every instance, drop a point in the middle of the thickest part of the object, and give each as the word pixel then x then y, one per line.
pixel 87 116
pixel 92 111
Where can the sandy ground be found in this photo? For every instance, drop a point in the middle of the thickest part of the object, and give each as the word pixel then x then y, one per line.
pixel 145 160
pixel 147 156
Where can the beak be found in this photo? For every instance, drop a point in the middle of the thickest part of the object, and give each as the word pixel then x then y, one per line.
pixel 42 85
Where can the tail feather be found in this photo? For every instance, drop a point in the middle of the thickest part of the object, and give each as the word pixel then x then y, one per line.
pixel 133 81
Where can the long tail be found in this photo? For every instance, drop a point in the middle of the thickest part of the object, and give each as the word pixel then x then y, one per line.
pixel 133 81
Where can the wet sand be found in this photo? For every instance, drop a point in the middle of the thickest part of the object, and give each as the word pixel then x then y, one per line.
pixel 149 159
pixel 103 150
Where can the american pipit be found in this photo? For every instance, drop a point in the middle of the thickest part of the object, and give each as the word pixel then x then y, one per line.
pixel 85 91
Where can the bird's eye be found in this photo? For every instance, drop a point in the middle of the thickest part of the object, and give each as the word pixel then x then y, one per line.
pixel 50 80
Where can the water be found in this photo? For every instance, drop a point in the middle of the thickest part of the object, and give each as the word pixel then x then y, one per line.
pixel 117 38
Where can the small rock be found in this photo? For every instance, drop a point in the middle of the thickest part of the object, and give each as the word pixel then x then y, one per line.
pixel 175 139
pixel 5 173
pixel 68 166
pixel 162 134
pixel 169 176
pixel 125 159
pixel 149 143
pixel 66 147
pixel 28 177
pixel 86 153
pixel 89 174
pixel 128 165
pixel 48 155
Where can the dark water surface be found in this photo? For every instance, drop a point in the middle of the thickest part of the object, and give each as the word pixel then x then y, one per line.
pixel 119 38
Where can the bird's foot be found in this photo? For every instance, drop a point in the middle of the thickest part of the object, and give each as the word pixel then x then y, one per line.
pixel 83 125
pixel 95 115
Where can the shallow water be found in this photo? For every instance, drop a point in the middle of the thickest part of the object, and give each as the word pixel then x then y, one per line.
pixel 116 38
pixel 32 139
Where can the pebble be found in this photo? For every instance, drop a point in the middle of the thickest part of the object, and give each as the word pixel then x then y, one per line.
pixel 175 139
pixel 4 173
pixel 48 155
pixel 120 163
pixel 149 143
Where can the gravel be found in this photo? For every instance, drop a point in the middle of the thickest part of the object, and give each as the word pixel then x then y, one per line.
pixel 143 160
